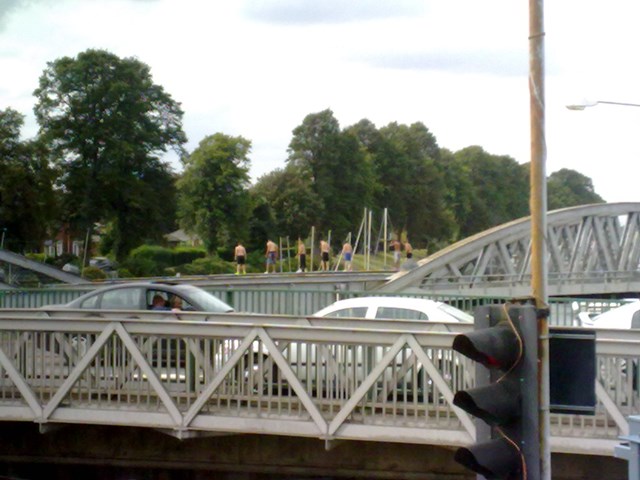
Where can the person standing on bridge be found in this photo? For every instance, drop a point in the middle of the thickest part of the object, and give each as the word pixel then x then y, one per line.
pixel 302 256
pixel 347 252
pixel 271 254
pixel 240 255
pixel 408 249
pixel 396 246
pixel 324 256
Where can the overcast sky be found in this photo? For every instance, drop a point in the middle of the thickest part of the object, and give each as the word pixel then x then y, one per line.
pixel 256 68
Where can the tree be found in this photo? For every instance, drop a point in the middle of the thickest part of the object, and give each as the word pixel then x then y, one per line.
pixel 294 204
pixel 27 199
pixel 412 184
pixel 337 168
pixel 500 189
pixel 568 188
pixel 107 124
pixel 213 196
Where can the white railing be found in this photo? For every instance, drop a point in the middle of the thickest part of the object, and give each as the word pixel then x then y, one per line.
pixel 333 379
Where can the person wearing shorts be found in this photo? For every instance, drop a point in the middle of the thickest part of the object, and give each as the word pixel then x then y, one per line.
pixel 324 256
pixel 302 257
pixel 408 249
pixel 271 254
pixel 396 247
pixel 240 254
pixel 347 253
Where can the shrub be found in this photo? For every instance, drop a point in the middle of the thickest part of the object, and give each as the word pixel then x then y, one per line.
pixel 205 266
pixel 140 267
pixel 182 255
pixel 93 273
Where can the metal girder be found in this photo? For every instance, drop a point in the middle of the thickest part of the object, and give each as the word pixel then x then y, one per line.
pixel 588 246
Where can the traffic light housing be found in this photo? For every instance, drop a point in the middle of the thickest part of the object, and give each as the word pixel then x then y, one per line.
pixel 505 398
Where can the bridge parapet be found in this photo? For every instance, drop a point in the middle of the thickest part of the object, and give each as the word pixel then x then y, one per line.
pixel 592 250
pixel 334 379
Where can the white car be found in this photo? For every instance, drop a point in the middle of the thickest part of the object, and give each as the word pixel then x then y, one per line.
pixel 624 317
pixel 395 308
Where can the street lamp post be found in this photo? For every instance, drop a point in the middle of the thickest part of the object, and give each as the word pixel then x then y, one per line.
pixel 582 106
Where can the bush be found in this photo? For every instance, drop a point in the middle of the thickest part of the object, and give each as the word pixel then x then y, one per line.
pixel 182 255
pixel 93 273
pixel 140 267
pixel 205 266
pixel 38 257
pixel 125 273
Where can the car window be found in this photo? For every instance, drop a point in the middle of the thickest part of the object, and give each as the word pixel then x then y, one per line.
pixel 456 313
pixel 635 320
pixel 121 299
pixel 90 302
pixel 351 312
pixel 394 313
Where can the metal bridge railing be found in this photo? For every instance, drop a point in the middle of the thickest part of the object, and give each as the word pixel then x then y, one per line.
pixel 307 302
pixel 287 375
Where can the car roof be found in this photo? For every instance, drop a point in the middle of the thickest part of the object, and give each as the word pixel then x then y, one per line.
pixel 388 301
pixel 619 317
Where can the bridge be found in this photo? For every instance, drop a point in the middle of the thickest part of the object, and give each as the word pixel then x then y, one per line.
pixel 14 267
pixel 592 250
pixel 193 374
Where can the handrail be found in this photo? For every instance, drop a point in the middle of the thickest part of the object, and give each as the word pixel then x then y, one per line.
pixel 332 378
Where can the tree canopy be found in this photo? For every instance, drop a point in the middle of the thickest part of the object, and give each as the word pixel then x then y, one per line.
pixel 107 123
pixel 27 200
pixel 213 191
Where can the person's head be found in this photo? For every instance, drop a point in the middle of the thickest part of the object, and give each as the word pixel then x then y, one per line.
pixel 176 302
pixel 157 301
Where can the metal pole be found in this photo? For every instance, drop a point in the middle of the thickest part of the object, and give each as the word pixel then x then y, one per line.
pixel 313 235
pixel 384 255
pixel 369 246
pixel 538 205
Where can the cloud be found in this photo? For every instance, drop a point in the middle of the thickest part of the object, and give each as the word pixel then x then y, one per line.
pixel 507 63
pixel 296 12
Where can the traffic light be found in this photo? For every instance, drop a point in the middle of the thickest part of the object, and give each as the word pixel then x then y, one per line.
pixel 505 345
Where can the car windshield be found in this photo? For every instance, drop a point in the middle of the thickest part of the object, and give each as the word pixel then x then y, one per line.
pixel 208 302
pixel 456 313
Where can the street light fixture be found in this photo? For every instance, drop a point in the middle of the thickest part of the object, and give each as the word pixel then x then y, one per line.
pixel 582 106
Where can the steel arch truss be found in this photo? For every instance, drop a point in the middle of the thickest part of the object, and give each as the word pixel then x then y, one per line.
pixel 586 247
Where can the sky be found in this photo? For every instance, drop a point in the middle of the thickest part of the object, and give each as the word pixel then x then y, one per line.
pixel 256 68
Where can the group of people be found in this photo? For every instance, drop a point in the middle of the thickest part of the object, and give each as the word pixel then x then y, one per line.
pixel 397 247
pixel 271 256
pixel 159 303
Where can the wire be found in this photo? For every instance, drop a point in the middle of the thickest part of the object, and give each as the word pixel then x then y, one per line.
pixel 505 308
pixel 523 461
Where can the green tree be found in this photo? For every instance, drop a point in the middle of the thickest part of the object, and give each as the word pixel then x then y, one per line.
pixel 294 204
pixel 499 189
pixel 213 196
pixel 568 188
pixel 337 168
pixel 108 123
pixel 27 199
pixel 412 185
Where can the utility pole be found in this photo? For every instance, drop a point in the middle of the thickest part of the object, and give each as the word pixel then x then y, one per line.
pixel 538 206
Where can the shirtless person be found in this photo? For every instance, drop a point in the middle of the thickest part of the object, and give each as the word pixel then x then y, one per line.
pixel 240 255
pixel 302 256
pixel 271 254
pixel 324 256
pixel 396 246
pixel 347 252
pixel 408 249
